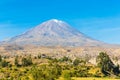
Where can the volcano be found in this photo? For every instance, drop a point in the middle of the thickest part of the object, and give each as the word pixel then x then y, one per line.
pixel 54 33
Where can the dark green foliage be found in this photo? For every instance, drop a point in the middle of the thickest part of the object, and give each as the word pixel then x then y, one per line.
pixel 39 56
pixel 16 62
pixel 64 59
pixel 54 60
pixel 116 70
pixel 76 62
pixel 0 58
pixel 4 63
pixel 80 71
pixel 27 61
pixel 106 64
pixel 104 61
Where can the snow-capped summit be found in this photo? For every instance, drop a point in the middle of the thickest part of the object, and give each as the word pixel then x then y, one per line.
pixel 55 20
pixel 52 21
pixel 54 33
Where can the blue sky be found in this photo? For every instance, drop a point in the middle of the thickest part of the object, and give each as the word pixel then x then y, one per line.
pixel 99 19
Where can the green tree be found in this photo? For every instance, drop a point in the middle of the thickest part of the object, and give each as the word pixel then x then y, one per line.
pixel 27 61
pixel 16 62
pixel 64 59
pixel 76 62
pixel 106 64
pixel 0 58
pixel 4 63
pixel 39 56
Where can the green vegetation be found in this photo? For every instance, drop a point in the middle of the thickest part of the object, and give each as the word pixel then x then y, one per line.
pixel 106 65
pixel 66 74
pixel 93 78
pixel 26 68
pixel 27 61
pixel 16 62
pixel 4 63
pixel 76 62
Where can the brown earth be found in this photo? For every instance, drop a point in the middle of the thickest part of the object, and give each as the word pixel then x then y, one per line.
pixel 58 52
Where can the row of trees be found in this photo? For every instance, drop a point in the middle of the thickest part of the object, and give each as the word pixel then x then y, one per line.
pixel 3 63
pixel 26 61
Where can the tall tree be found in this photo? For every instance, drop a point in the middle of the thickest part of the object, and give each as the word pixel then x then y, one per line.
pixel 16 62
pixel 0 58
pixel 106 64
pixel 27 61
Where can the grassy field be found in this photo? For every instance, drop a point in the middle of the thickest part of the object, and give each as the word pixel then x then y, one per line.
pixel 91 78
pixel 95 79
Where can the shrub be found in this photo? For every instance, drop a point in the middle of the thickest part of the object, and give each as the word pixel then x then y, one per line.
pixel 4 63
pixel 76 62
pixel 66 75
pixel 27 61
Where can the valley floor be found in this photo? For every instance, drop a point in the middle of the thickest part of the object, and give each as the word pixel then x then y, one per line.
pixel 59 63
